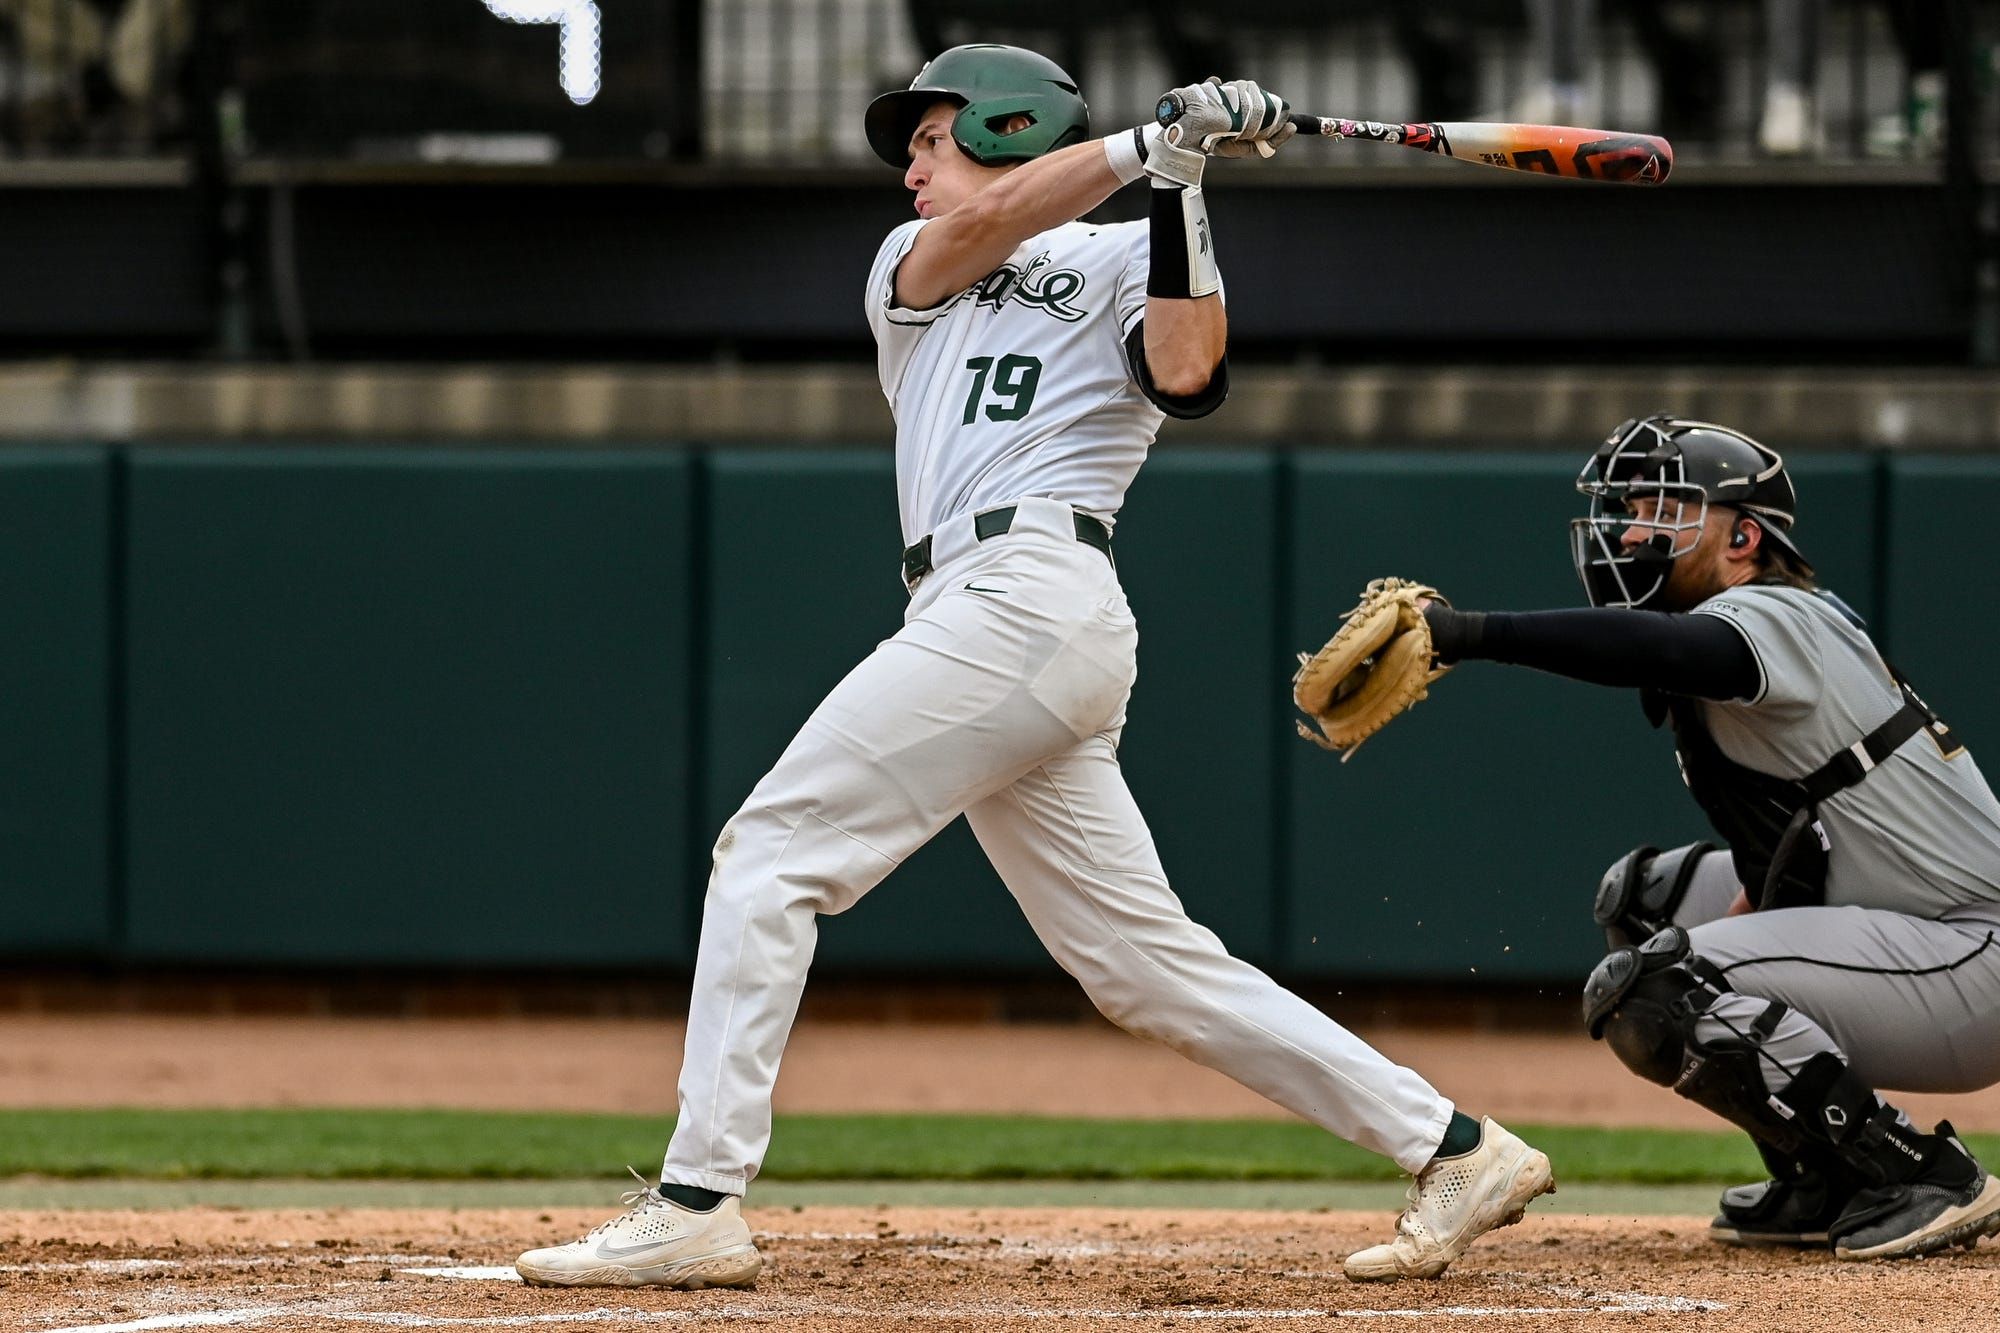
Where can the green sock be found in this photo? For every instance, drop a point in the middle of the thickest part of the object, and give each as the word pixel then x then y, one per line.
pixel 1461 1136
pixel 691 1196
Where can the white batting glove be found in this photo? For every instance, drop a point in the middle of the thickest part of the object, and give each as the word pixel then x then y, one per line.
pixel 1267 120
pixel 1178 152
pixel 1220 116
pixel 1170 159
pixel 1232 119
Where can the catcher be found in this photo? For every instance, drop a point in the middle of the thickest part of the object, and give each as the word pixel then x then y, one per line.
pixel 1840 936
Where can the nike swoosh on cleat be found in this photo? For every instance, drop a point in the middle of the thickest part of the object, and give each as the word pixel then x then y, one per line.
pixel 627 1251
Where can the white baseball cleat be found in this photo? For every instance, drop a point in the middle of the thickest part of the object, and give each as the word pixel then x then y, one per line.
pixel 654 1243
pixel 1454 1202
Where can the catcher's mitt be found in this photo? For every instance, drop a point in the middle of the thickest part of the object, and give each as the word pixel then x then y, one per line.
pixel 1375 667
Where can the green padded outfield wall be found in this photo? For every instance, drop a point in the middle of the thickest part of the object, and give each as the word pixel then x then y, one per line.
pixel 488 708
pixel 803 582
pixel 55 664
pixel 409 706
pixel 1196 545
pixel 1940 618
pixel 1841 498
pixel 1465 842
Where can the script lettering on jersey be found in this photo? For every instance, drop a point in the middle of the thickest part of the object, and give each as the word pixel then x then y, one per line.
pixel 1053 291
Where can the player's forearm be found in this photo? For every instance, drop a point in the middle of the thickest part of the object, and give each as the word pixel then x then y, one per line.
pixel 1185 340
pixel 1046 192
pixel 1186 329
pixel 1699 656
pixel 976 237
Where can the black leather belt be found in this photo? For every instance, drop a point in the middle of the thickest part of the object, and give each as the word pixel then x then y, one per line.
pixel 917 559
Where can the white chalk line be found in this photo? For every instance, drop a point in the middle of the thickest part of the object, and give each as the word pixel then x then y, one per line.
pixel 1610 1303
pixel 330 1311
pixel 503 1273
pixel 255 1314
pixel 229 1261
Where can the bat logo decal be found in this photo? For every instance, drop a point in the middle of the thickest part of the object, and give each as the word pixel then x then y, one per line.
pixel 1621 158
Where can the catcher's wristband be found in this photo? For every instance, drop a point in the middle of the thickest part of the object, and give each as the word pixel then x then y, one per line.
pixel 1455 635
pixel 1182 264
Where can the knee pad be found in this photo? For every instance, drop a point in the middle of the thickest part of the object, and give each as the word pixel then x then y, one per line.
pixel 1641 891
pixel 1644 1003
pixel 1639 1002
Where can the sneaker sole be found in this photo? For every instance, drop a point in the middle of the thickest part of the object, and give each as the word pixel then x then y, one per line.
pixel 1532 1178
pixel 1767 1239
pixel 725 1268
pixel 1964 1225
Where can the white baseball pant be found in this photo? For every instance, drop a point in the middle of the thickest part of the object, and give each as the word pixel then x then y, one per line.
pixel 1001 698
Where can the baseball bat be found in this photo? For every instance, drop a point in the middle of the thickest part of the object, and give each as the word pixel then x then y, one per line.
pixel 1551 150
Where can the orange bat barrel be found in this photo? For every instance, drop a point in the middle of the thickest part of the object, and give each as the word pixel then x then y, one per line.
pixel 1552 150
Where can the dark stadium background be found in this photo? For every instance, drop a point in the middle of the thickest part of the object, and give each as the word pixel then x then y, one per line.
pixel 427 499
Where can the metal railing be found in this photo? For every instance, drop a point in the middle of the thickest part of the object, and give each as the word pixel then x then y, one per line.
pixel 784 82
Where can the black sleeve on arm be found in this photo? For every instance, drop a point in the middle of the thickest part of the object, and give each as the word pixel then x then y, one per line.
pixel 1187 408
pixel 1702 656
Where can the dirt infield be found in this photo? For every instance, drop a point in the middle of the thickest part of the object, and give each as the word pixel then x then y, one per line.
pixel 906 1267
pixel 977 1269
pixel 629 1065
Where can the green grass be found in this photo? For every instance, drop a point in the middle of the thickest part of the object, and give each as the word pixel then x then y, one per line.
pixel 471 1145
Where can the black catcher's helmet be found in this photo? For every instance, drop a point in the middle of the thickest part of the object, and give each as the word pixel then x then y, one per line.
pixel 1687 466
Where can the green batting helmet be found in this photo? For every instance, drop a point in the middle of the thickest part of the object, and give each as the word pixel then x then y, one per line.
pixel 991 83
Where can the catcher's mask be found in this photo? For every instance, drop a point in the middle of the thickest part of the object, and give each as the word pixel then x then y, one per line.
pixel 1685 467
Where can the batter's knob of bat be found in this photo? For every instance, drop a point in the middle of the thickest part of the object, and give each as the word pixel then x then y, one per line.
pixel 1170 109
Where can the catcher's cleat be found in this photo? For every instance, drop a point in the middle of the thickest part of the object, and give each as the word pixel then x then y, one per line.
pixel 1779 1212
pixel 654 1243
pixel 1455 1201
pixel 1952 1201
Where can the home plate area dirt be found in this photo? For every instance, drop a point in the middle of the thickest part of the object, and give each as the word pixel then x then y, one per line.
pixel 955 1269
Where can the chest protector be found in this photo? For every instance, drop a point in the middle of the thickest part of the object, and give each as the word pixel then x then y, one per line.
pixel 1771 824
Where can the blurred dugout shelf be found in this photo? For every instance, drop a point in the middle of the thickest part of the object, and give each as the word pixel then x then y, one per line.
pixel 567 180
pixel 832 406
pixel 763 82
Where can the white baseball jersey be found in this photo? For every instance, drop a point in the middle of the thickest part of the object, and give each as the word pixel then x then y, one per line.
pixel 1018 385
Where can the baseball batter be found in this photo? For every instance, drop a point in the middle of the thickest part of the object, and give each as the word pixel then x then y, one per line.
pixel 1029 358
pixel 1842 936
